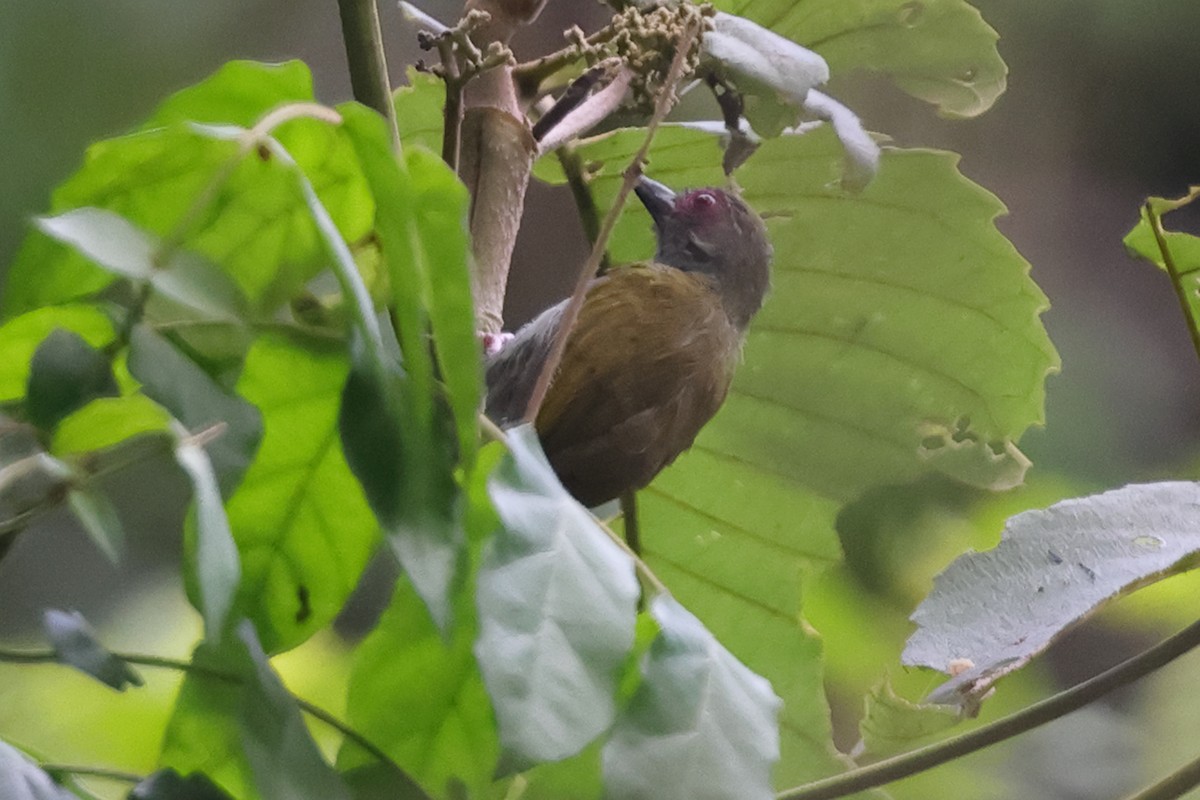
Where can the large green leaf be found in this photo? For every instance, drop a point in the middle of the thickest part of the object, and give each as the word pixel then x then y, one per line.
pixel 901 337
pixel 235 721
pixel 302 526
pixel 938 50
pixel 65 373
pixel 420 697
pixel 902 333
pixel 245 213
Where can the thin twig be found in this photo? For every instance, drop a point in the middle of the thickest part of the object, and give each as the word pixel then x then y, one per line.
pixel 1059 705
pixel 529 75
pixel 662 105
pixel 1174 785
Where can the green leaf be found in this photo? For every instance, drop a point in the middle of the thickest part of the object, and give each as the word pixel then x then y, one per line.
pixel 556 603
pixel 420 698
pixel 21 779
pixel 902 334
pixel 379 781
pixel 235 721
pixel 20 337
pixel 392 424
pixel 1051 569
pixel 108 421
pixel 891 724
pixel 938 50
pixel 117 245
pixel 167 784
pixel 406 473
pixel 301 522
pixel 211 564
pixel 75 645
pixel 421 221
pixel 64 374
pixel 1183 249
pixel 198 402
pixel 99 519
pixel 701 726
pixel 238 93
pixel 419 110
pixel 897 314
pixel 253 223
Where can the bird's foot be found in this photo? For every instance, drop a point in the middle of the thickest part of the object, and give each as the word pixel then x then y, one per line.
pixel 494 342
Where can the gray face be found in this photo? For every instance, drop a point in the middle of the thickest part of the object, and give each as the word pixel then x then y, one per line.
pixel 712 232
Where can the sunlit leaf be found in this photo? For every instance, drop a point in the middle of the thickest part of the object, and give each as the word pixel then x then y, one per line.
pixel 301 522
pixel 1182 249
pixel 421 699
pixel 20 337
pixel 107 421
pixel 700 726
pixel 64 374
pixel 252 223
pixel 75 645
pixel 556 611
pixel 938 50
pixel 235 722
pixel 1051 569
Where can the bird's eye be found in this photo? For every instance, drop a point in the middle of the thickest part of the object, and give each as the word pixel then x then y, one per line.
pixel 705 200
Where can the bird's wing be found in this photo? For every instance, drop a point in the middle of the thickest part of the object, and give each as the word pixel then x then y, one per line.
pixel 647 364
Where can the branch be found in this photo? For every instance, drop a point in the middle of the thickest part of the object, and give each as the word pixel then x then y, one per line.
pixel 1059 705
pixel 368 66
pixel 662 105
pixel 1174 785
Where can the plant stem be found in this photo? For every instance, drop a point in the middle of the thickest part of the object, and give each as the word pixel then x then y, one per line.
pixel 92 772
pixel 363 38
pixel 1174 785
pixel 1155 220
pixel 162 662
pixel 581 191
pixel 1047 710
pixel 662 105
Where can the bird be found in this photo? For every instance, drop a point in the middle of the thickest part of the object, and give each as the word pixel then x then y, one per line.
pixel 653 351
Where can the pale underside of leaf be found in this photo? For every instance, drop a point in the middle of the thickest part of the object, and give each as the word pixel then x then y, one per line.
pixel 990 613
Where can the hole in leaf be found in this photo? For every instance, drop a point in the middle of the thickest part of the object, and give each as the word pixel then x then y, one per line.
pixel 933 443
pixel 911 13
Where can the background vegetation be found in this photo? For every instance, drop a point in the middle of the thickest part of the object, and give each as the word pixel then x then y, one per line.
pixel 1097 116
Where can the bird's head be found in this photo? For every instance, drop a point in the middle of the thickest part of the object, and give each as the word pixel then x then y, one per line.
pixel 712 232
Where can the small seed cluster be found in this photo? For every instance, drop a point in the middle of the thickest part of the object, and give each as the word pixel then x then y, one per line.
pixel 645 41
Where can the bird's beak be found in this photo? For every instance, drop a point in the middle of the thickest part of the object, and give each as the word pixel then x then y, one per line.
pixel 658 199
